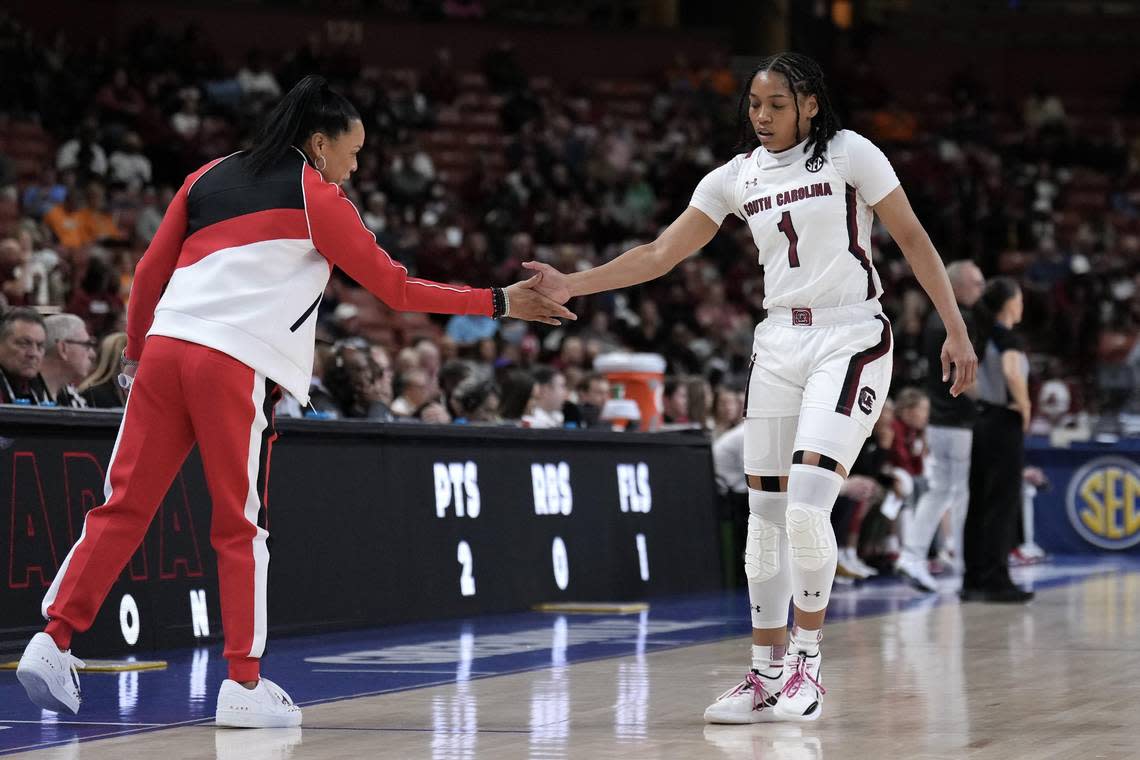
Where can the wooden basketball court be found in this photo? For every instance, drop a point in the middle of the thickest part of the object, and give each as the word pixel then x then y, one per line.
pixel 907 677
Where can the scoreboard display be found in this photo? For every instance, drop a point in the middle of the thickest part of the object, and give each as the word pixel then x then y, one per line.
pixel 369 524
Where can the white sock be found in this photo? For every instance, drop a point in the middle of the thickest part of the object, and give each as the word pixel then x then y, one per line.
pixel 806 641
pixel 768 661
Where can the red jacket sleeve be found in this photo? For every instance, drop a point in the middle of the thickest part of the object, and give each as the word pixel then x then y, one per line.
pixel 156 267
pixel 340 236
pixel 153 272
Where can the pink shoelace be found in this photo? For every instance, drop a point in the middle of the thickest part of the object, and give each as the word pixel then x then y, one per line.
pixel 799 676
pixel 751 681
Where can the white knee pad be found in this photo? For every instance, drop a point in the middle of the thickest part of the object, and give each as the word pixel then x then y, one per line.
pixel 762 550
pixel 812 492
pixel 766 559
pixel 811 538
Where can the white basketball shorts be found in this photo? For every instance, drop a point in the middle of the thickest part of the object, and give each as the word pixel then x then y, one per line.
pixel 829 369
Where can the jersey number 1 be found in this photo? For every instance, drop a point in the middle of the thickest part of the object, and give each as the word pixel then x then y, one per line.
pixel 785 226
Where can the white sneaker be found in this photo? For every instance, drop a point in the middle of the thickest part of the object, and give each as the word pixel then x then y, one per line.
pixel 845 568
pixel 859 565
pixel 750 701
pixel 916 573
pixel 801 696
pixel 951 561
pixel 267 706
pixel 49 675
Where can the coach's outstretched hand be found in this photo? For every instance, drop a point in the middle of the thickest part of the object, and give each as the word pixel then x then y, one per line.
pixel 528 302
pixel 552 283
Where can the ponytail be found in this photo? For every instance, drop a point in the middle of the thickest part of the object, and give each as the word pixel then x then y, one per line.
pixel 311 106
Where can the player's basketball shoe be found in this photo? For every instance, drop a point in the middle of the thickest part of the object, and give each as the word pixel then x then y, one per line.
pixel 916 573
pixel 267 706
pixel 750 701
pixel 801 695
pixel 49 675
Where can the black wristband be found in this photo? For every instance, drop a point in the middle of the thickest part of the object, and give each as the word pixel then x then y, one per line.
pixel 498 303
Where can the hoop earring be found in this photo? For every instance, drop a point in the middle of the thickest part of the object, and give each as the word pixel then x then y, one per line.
pixel 323 163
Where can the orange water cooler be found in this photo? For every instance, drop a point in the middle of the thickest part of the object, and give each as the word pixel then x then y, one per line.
pixel 633 377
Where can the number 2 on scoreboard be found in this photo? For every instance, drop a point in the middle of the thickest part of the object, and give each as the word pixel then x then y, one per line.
pixel 467 578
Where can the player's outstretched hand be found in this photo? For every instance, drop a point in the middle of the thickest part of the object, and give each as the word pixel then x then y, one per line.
pixel 528 302
pixel 552 283
pixel 959 353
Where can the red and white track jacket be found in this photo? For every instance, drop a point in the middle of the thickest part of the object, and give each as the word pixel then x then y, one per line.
pixel 240 263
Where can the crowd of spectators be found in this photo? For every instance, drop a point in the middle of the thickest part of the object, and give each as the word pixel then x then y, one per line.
pixel 580 184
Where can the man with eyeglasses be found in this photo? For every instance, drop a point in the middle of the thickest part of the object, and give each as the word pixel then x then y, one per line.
pixel 68 358
pixel 22 340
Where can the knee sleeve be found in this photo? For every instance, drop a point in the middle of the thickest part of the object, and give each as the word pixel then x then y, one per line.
pixel 766 559
pixel 811 540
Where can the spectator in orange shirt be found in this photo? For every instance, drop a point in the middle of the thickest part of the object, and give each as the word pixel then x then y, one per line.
pixel 101 225
pixel 68 222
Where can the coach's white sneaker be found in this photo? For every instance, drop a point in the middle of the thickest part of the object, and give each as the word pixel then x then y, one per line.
pixel 750 701
pixel 49 675
pixel 801 696
pixel 916 573
pixel 267 706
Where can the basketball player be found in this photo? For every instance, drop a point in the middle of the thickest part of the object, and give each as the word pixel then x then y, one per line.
pixel 822 356
pixel 222 315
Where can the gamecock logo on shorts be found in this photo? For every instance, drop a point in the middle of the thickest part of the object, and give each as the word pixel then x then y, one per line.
pixel 866 399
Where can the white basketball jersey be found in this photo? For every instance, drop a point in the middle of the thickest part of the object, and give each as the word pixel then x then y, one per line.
pixel 811 221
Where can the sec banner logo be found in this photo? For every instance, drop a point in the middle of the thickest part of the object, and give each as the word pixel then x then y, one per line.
pixel 1103 503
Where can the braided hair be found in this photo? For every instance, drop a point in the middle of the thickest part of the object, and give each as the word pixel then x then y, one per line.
pixel 805 77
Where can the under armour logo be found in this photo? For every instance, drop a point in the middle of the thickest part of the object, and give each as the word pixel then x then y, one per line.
pixel 808 593
pixel 754 182
pixel 757 608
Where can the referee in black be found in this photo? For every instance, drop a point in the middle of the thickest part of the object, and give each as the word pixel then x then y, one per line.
pixel 998 453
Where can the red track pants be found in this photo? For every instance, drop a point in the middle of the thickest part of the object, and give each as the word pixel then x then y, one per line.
pixel 183 393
